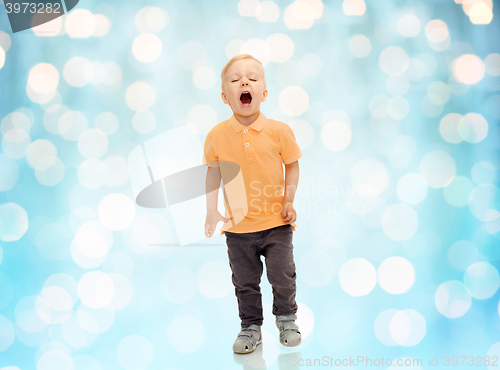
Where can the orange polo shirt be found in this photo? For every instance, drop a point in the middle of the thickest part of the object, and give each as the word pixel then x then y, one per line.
pixel 251 161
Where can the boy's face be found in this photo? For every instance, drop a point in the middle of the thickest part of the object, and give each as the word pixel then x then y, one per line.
pixel 244 87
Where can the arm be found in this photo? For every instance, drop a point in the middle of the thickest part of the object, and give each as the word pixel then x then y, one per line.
pixel 212 184
pixel 291 184
pixel 212 187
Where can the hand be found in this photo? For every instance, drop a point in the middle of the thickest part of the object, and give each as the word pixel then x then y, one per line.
pixel 213 218
pixel 289 214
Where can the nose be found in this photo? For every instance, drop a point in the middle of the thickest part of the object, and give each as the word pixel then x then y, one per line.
pixel 244 82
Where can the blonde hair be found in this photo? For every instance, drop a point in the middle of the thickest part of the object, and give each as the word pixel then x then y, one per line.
pixel 237 58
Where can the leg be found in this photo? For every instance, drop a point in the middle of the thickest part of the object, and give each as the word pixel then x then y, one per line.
pixel 278 251
pixel 246 267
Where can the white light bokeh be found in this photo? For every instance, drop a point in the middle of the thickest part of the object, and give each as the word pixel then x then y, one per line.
pixel 102 26
pixel 42 154
pixel 95 320
pixel 16 120
pixel 407 327
pixel 303 131
pixel 293 101
pixel 107 122
pixel 72 124
pixel 438 169
pixel 80 23
pixel 480 13
pixel 409 25
pixel 9 173
pixel 96 289
pixel 360 46
pixel 118 171
pixel 399 222
pixel 116 211
pixel 75 334
pixel 382 327
pixel 92 143
pixel 204 78
pixel 13 222
pixel 2 57
pixel 281 47
pixel 317 267
pixel 144 122
pixel 453 299
pixel 94 239
pixel 357 277
pixel 150 229
pixel 448 128
pixel 15 143
pixel 78 71
pixel 301 14
pixel 473 127
pixel 468 69
pixel 43 78
pixel 93 173
pixel 140 96
pixel 482 280
pixel 492 65
pixel 482 200
pixel 398 107
pixel 151 19
pixel 436 31
pixel 204 117
pixel 123 292
pixel 411 188
pixel 336 135
pixel 396 275
pixel 52 175
pixel 5 41
pixel 147 47
pixel 354 7
pixel 212 279
pixel 369 177
pixel 55 359
pixel 394 60
pixel 267 11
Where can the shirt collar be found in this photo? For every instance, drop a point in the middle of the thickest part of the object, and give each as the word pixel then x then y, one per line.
pixel 257 125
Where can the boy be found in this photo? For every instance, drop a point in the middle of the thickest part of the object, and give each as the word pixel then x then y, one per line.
pixel 248 151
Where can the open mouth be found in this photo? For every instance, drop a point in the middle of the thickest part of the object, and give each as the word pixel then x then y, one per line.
pixel 246 99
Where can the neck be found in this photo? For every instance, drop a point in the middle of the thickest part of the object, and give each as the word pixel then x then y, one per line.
pixel 247 120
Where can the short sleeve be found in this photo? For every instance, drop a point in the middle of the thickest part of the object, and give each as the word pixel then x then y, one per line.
pixel 290 150
pixel 210 156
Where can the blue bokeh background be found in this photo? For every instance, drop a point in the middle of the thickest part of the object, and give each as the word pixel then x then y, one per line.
pixel 396 107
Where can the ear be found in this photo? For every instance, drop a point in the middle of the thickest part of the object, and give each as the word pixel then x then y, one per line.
pixel 224 98
pixel 264 96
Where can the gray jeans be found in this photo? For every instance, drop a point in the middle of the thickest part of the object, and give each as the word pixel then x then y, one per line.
pixel 244 251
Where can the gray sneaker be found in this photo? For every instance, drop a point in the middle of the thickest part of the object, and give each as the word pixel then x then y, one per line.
pixel 247 339
pixel 289 331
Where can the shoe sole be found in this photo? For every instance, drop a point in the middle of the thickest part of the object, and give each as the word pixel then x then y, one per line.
pixel 249 351
pixel 291 345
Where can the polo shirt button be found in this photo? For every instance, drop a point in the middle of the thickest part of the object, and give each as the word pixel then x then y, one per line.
pixel 245 130
pixel 247 144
